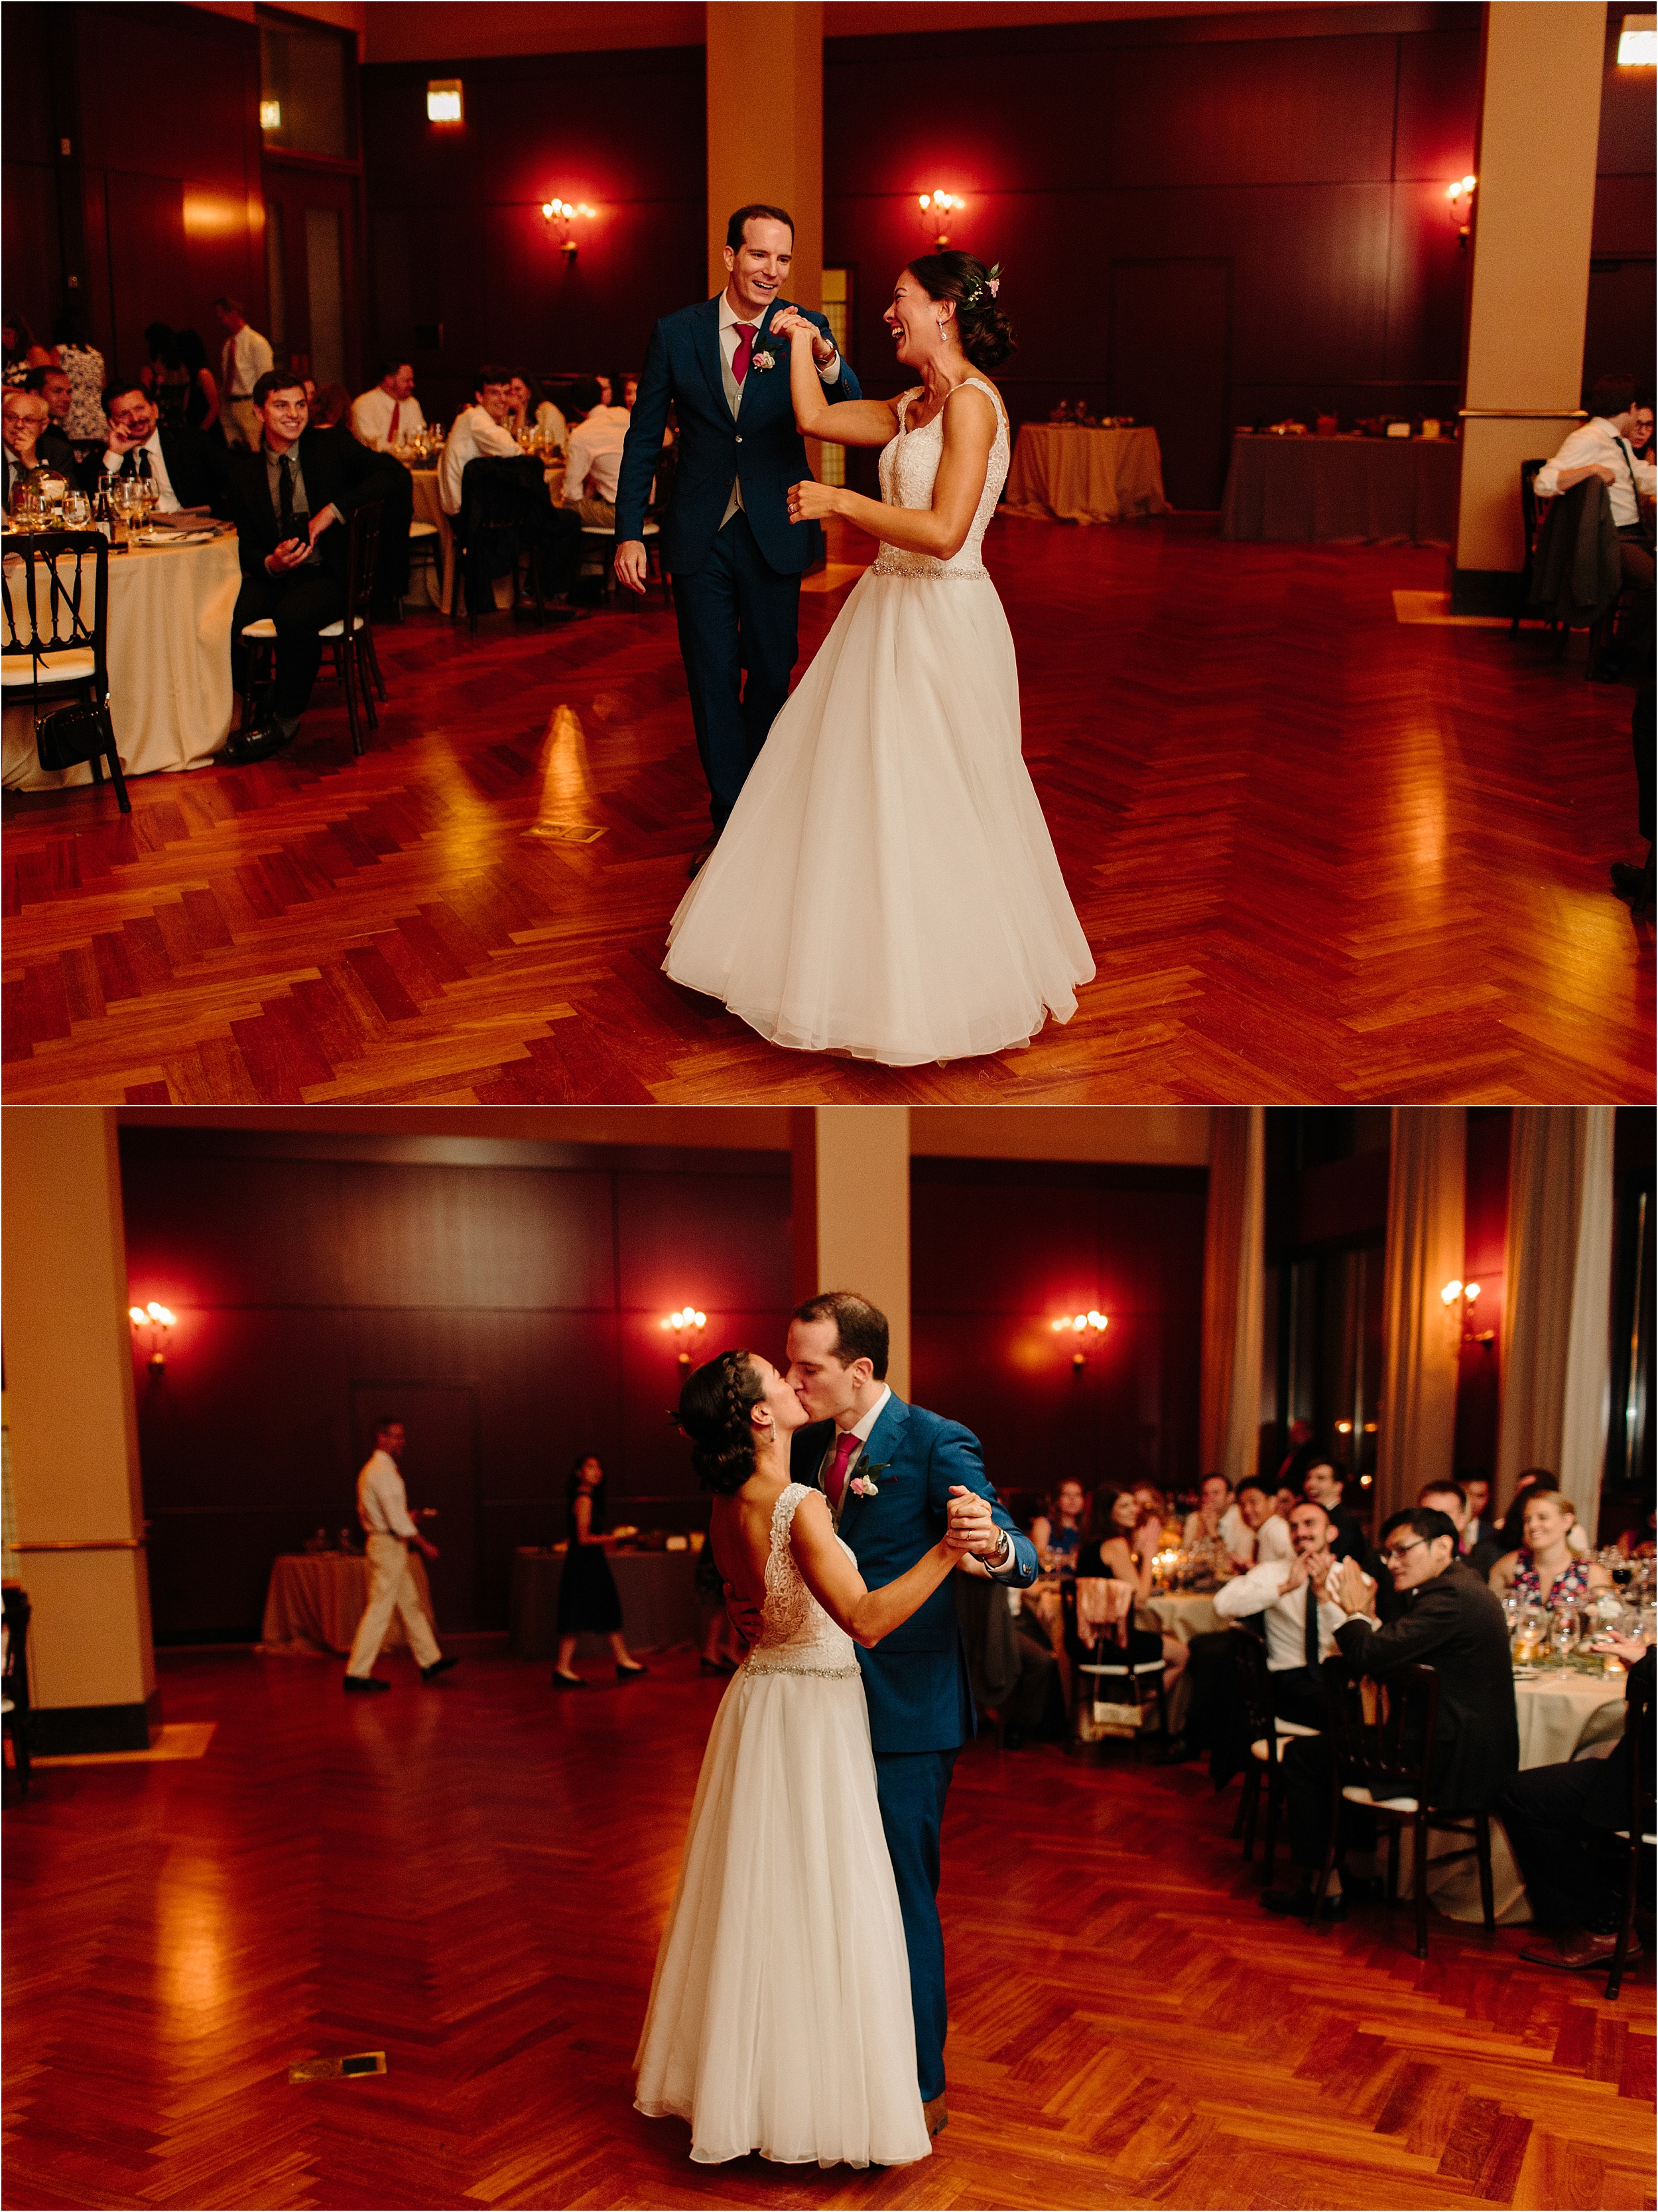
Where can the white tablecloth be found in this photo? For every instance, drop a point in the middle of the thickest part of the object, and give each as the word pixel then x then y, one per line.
pixel 1185 1614
pixel 170 697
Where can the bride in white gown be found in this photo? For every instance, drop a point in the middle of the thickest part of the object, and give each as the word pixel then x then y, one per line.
pixel 780 2016
pixel 886 885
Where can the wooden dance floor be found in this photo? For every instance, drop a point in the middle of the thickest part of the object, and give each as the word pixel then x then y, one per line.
pixel 1320 854
pixel 473 1878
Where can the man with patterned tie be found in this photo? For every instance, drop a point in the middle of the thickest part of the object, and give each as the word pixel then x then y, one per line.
pixel 735 557
pixel 889 1471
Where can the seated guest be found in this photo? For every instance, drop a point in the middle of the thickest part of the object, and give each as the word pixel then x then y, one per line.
pixel 1118 1545
pixel 479 431
pixel 1451 1500
pixel 1153 1505
pixel 388 412
pixel 1451 1622
pixel 290 501
pixel 1481 1529
pixel 1640 437
pixel 1324 1487
pixel 73 351
pixel 30 441
pixel 1267 1533
pixel 1545 1569
pixel 1216 1515
pixel 1563 1822
pixel 53 387
pixel 1601 447
pixel 1011 1664
pixel 1511 1530
pixel 593 455
pixel 333 408
pixel 1302 1453
pixel 1298 1610
pixel 181 462
pixel 1284 1501
pixel 525 415
pixel 1057 1532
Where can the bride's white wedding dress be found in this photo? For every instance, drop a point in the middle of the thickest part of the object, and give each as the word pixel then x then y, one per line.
pixel 886 885
pixel 780 2016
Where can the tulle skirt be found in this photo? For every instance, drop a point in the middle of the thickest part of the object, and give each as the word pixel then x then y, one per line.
pixel 886 885
pixel 780 2016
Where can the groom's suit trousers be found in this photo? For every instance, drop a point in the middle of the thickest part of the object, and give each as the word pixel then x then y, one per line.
pixel 911 1787
pixel 735 614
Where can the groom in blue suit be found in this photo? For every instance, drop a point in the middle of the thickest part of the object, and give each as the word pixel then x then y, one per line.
pixel 888 1470
pixel 735 557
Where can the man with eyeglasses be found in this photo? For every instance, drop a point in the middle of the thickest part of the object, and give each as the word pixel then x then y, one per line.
pixel 1450 1622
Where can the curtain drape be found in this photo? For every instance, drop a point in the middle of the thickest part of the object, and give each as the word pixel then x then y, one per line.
pixel 1234 1291
pixel 1417 1425
pixel 1556 1359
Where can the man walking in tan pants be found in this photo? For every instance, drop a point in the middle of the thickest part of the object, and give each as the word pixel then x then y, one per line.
pixel 383 1509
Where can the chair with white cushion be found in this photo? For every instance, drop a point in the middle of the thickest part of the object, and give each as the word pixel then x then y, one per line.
pixel 1269 1734
pixel 425 552
pixel 1381 1743
pixel 55 589
pixel 350 640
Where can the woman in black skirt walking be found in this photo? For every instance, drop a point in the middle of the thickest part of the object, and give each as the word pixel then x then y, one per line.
pixel 587 1597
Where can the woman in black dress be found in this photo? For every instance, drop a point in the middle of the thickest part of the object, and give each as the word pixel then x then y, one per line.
pixel 1118 1544
pixel 587 1597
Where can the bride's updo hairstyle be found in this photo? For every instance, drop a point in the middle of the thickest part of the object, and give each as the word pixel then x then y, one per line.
pixel 985 334
pixel 714 1407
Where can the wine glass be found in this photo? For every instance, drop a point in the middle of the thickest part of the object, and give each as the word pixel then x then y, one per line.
pixel 1567 1629
pixel 77 511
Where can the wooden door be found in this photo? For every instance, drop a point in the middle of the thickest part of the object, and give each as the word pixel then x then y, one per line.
pixel 313 266
pixel 440 1468
pixel 1170 351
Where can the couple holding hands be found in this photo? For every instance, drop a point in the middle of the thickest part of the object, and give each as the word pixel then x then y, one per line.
pixel 880 880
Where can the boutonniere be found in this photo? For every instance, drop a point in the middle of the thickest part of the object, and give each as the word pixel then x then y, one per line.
pixel 866 1486
pixel 762 361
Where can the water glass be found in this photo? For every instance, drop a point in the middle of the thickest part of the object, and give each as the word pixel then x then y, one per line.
pixel 1568 1627
pixel 77 511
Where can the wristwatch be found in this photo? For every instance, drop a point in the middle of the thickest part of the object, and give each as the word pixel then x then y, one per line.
pixel 1003 1559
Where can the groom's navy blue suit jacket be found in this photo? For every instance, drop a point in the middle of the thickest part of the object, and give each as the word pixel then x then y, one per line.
pixel 916 1680
pixel 758 447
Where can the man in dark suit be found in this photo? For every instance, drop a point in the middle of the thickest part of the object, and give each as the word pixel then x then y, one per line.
pixel 181 462
pixel 1562 1822
pixel 889 1471
pixel 290 501
pixel 30 441
pixel 735 557
pixel 1450 1622
pixel 1478 1555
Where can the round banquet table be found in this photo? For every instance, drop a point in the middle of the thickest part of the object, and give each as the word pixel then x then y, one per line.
pixel 316 1600
pixel 1062 472
pixel 170 610
pixel 435 584
pixel 1342 491
pixel 1185 1614
pixel 656 1589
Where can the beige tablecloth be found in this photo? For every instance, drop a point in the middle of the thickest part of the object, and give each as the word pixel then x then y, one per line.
pixel 170 699
pixel 1185 1614
pixel 657 1590
pixel 316 1600
pixel 1064 474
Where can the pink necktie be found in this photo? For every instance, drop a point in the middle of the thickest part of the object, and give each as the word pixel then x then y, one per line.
pixel 392 427
pixel 744 348
pixel 845 1446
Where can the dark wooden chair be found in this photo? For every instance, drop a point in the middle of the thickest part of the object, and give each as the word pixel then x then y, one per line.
pixel 1382 1738
pixel 15 1680
pixel 1268 1736
pixel 350 640
pixel 1529 517
pixel 55 652
pixel 1642 1833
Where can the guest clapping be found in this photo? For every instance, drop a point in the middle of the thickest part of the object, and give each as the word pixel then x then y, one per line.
pixel 1267 1533
pixel 587 1598
pixel 1218 1518
pixel 1545 1569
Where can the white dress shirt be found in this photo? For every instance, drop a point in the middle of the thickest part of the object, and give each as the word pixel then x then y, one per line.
pixel 371 417
pixel 1261 1590
pixel 593 456
pixel 114 463
pixel 551 424
pixel 1272 1540
pixel 472 435
pixel 1233 1531
pixel 243 360
pixel 1595 442
pixel 382 1501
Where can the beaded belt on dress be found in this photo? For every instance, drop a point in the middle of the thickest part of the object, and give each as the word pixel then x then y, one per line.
pixel 893 562
pixel 782 1662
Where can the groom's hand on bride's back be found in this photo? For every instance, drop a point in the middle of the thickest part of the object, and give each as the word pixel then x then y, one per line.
pixel 747 1619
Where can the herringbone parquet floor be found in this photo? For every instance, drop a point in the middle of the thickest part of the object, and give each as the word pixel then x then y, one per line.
pixel 1319 855
pixel 473 1879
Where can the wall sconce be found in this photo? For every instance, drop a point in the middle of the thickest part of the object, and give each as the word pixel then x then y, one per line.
pixel 443 101
pixel 1637 42
pixel 687 1326
pixel 1462 1296
pixel 563 214
pixel 1459 205
pixel 937 210
pixel 159 1322
pixel 1090 1325
pixel 271 115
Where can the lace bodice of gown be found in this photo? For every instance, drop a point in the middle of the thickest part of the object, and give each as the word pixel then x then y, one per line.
pixel 797 1635
pixel 909 463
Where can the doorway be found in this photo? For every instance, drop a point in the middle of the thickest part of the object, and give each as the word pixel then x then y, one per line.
pixel 441 1469
pixel 1170 365
pixel 313 274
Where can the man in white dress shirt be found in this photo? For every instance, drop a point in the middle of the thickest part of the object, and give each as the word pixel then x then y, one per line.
pixel 1298 1610
pixel 383 1509
pixel 593 455
pixel 479 431
pixel 388 412
pixel 1268 1535
pixel 245 358
pixel 1601 448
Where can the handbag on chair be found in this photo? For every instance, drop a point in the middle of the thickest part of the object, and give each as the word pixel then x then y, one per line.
pixel 70 736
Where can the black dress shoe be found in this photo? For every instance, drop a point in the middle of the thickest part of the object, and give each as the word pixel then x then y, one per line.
pixel 567 1681
pixel 1631 884
pixel 438 1667
pixel 629 1673
pixel 359 1685
pixel 243 747
pixel 1298 1904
